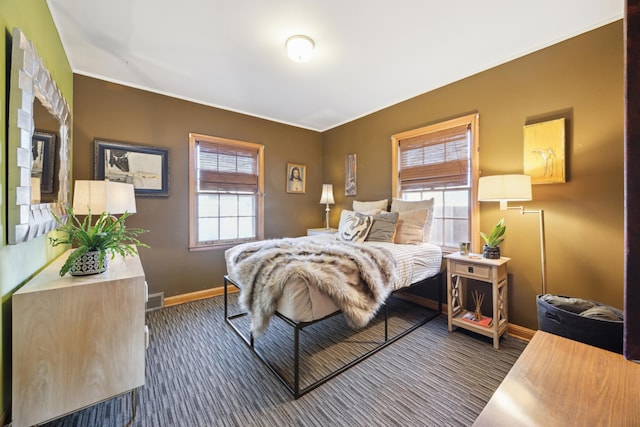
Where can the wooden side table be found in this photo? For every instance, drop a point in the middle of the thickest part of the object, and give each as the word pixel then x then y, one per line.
pixel 312 231
pixel 491 271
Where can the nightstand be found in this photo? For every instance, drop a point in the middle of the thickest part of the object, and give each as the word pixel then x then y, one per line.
pixel 312 231
pixel 491 271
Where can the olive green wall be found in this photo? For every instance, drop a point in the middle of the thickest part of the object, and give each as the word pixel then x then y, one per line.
pixel 119 113
pixel 581 80
pixel 19 262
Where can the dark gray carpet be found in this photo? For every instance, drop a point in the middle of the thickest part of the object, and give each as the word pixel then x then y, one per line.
pixel 200 373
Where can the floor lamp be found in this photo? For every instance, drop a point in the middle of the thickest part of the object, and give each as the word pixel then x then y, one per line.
pixel 513 188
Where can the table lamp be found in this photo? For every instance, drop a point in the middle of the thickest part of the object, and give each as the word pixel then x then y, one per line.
pixel 103 196
pixel 327 199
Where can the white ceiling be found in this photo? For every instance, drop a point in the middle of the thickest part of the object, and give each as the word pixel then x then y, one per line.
pixel 369 53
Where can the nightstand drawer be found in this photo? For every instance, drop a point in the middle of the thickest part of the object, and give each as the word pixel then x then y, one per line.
pixel 474 271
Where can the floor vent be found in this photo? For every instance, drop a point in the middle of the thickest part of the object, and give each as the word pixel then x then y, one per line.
pixel 156 301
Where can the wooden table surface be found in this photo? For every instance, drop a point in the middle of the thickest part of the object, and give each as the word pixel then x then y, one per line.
pixel 561 382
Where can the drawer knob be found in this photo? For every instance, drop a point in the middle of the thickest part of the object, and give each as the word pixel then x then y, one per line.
pixel 470 269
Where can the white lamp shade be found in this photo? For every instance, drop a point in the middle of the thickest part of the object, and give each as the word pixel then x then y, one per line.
pixel 502 188
pixel 103 196
pixel 299 48
pixel 327 194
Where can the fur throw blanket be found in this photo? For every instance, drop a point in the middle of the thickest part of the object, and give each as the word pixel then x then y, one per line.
pixel 357 277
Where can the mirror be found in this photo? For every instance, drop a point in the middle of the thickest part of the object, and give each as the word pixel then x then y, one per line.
pixel 45 167
pixel 31 81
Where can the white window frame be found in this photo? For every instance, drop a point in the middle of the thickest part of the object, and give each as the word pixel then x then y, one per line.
pixel 472 120
pixel 194 243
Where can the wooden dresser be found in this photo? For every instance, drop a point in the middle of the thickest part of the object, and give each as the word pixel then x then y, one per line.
pixel 77 340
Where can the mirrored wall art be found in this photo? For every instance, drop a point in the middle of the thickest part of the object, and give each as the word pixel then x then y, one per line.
pixel 30 80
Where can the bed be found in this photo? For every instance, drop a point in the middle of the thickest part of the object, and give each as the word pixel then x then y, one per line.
pixel 307 280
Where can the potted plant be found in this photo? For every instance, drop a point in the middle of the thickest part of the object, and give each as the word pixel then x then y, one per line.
pixel 95 242
pixel 492 241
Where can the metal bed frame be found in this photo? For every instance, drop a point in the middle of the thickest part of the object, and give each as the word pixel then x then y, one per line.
pixel 299 326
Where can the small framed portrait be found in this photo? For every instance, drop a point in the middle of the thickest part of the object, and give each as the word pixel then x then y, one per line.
pixel 296 178
pixel 147 168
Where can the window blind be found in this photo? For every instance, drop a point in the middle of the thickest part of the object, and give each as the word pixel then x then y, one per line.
pixel 435 159
pixel 222 168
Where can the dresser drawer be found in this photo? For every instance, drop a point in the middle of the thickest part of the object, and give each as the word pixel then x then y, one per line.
pixel 470 270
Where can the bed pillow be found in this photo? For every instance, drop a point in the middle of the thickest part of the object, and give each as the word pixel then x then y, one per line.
pixel 409 229
pixel 398 205
pixel 363 207
pixel 369 212
pixel 354 226
pixel 383 228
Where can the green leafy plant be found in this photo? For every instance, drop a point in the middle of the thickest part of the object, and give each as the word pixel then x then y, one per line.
pixel 108 234
pixel 494 239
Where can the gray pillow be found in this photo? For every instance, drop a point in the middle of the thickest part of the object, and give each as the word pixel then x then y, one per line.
pixel 383 227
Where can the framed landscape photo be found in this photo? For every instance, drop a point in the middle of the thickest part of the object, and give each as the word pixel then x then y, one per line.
pixel 296 178
pixel 147 168
pixel 43 151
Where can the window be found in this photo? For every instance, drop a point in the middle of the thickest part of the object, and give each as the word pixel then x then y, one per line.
pixel 226 188
pixel 440 161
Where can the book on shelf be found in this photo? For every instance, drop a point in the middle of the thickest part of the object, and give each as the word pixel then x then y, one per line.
pixel 470 317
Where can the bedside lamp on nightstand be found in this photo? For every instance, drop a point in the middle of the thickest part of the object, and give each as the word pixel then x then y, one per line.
pixel 327 199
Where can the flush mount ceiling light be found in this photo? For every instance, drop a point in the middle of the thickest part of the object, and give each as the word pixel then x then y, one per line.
pixel 299 48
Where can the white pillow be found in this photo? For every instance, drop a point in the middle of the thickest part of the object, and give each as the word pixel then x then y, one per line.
pixel 354 226
pixel 409 229
pixel 363 207
pixel 370 212
pixel 398 205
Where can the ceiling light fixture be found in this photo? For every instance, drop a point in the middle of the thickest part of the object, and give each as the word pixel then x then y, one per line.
pixel 299 48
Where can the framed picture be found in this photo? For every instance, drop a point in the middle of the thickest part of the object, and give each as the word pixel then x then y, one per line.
pixel 296 178
pixel 350 188
pixel 544 152
pixel 43 151
pixel 147 168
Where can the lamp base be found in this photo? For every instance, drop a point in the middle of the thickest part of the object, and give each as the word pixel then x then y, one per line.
pixel 327 216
